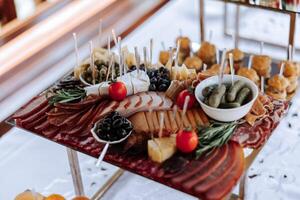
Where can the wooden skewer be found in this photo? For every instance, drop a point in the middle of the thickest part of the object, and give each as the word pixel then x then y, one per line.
pixel 92 64
pixel 120 56
pixel 281 69
pixel 204 67
pixel 161 123
pixel 186 102
pixel 109 67
pixel 250 61
pixel 231 67
pixel 76 49
pixel 114 37
pixel 262 84
pixel 145 58
pixel 290 56
pixel 221 71
pixel 163 45
pixel 177 53
pixel 261 48
pixel 151 51
pixel 217 56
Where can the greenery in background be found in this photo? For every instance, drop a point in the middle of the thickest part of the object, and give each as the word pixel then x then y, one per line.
pixel 214 136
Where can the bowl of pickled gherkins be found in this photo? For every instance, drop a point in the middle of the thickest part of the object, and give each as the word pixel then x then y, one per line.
pixel 229 101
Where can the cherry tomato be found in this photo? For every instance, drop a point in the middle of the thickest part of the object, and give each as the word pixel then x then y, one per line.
pixel 117 91
pixel 181 98
pixel 186 141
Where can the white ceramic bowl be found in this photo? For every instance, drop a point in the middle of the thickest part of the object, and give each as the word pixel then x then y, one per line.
pixel 228 114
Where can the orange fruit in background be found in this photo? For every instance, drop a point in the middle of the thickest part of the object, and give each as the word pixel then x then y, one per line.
pixel 80 198
pixel 55 197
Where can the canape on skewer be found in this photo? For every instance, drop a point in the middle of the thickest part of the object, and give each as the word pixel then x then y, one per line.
pixel 291 89
pixel 212 71
pixel 164 57
pixel 291 68
pixel 249 73
pixel 262 65
pixel 207 53
pixel 193 62
pixel 238 57
pixel 277 87
pixel 185 48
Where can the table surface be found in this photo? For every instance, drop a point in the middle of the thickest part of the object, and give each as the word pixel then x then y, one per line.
pixel 275 173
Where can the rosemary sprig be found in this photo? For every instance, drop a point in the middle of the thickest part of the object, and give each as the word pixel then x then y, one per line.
pixel 216 135
pixel 67 95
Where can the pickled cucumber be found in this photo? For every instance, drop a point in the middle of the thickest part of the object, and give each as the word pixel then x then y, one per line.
pixel 214 99
pixel 233 90
pixel 242 95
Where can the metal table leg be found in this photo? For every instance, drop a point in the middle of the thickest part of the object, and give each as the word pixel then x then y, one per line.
pixel 75 172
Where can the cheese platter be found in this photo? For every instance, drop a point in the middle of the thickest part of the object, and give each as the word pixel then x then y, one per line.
pixel 187 121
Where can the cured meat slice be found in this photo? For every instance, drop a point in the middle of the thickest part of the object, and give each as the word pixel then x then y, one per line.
pixel 32 107
pixel 197 169
pixel 42 126
pixel 205 172
pixel 36 115
pixel 220 173
pixel 50 131
pixel 221 189
pixel 36 122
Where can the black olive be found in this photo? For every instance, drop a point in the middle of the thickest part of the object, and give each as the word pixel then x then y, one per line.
pixel 161 69
pixel 152 87
pixel 153 80
pixel 162 87
pixel 115 117
pixel 121 133
pixel 117 123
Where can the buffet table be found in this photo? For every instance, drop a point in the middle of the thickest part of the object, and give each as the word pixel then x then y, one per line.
pixel 254 173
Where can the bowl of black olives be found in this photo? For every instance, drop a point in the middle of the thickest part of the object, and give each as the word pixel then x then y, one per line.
pixel 228 101
pixel 112 129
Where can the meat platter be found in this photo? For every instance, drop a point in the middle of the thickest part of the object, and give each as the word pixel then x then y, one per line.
pixel 184 120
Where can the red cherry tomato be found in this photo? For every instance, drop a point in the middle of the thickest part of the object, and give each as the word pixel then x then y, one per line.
pixel 117 91
pixel 186 141
pixel 181 98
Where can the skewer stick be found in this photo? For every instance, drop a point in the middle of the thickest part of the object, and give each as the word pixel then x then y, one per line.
pixel 221 71
pixel 137 59
pixel 109 67
pixel 100 32
pixel 120 56
pixel 114 37
pixel 262 84
pixel 204 67
pixel 161 123
pixel 261 49
pixel 186 102
pixel 210 36
pixel 151 117
pixel 231 67
pixel 92 64
pixel 217 56
pixel 76 49
pixel 177 53
pixel 290 56
pixel 145 58
pixel 151 51
pixel 163 45
pixel 250 61
pixel 281 69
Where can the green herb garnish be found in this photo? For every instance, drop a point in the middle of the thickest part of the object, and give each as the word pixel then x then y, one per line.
pixel 67 95
pixel 214 136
